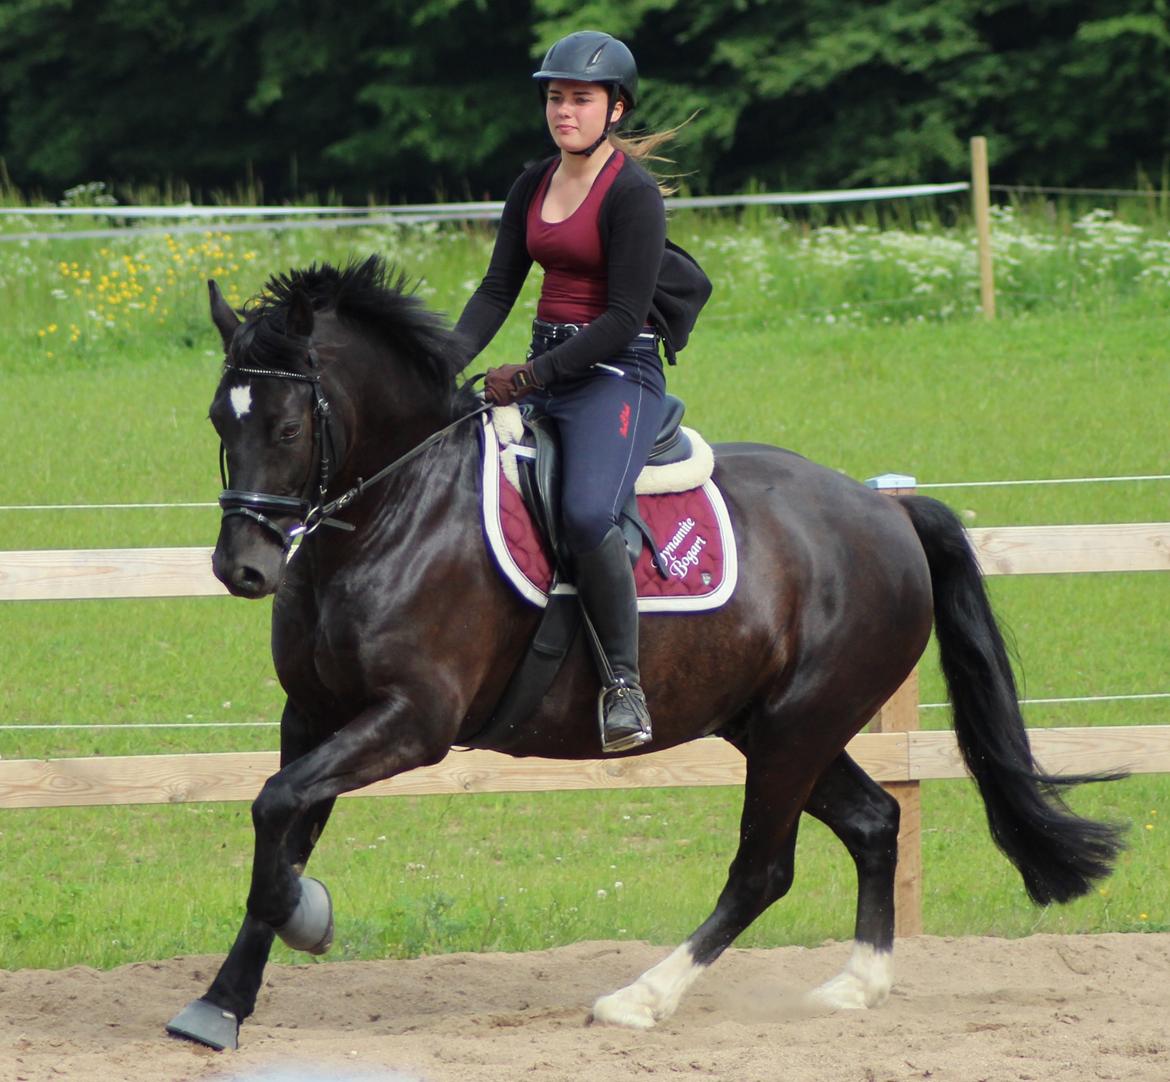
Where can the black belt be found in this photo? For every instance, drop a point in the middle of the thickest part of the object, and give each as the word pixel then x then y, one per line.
pixel 559 332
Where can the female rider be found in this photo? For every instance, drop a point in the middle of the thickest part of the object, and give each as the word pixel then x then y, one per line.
pixel 594 219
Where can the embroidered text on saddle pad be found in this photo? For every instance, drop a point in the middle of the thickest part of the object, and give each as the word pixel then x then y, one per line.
pixel 692 529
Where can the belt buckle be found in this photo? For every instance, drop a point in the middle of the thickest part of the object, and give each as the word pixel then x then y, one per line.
pixel 556 332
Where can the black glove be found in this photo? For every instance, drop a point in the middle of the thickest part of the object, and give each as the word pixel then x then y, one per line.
pixel 503 385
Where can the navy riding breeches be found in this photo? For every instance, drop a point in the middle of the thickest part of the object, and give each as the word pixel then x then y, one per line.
pixel 607 420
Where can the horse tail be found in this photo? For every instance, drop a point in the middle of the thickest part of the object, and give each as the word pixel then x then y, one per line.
pixel 1058 853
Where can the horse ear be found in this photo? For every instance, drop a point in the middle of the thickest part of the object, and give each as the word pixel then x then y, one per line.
pixel 299 319
pixel 222 314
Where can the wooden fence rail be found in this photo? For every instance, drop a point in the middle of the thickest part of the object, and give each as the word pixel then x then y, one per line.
pixel 900 759
pixel 887 757
pixel 82 574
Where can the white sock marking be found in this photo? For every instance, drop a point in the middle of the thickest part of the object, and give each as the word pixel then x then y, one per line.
pixel 653 996
pixel 864 982
pixel 241 398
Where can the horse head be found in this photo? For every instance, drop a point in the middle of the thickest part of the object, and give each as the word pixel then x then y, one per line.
pixel 267 411
pixel 331 374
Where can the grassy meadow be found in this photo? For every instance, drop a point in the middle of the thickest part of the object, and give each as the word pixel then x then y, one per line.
pixel 855 341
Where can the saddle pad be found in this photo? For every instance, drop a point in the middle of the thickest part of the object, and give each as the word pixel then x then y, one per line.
pixel 692 529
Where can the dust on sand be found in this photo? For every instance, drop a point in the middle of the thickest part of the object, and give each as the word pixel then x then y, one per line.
pixel 1036 1009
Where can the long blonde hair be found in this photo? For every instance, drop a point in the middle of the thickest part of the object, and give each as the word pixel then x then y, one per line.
pixel 643 147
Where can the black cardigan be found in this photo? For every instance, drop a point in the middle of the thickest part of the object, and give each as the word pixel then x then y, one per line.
pixel 650 279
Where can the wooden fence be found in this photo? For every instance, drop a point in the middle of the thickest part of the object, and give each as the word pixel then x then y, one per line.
pixel 894 753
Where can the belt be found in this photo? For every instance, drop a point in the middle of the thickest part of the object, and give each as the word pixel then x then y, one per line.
pixel 559 332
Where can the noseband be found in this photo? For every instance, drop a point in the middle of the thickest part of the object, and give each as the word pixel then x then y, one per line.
pixel 310 514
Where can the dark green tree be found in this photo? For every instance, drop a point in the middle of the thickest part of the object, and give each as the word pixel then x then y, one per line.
pixel 416 100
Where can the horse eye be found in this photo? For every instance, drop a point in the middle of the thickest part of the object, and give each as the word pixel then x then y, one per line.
pixel 290 433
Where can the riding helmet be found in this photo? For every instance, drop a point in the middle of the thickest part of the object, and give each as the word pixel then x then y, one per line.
pixel 590 56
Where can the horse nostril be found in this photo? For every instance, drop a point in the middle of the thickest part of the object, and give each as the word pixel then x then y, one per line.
pixel 247 578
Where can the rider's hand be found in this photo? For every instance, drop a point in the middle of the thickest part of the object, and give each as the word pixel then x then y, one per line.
pixel 503 385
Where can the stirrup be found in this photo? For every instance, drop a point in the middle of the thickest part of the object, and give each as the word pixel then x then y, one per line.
pixel 630 731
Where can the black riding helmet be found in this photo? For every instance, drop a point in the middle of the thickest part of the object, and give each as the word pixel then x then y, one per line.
pixel 590 56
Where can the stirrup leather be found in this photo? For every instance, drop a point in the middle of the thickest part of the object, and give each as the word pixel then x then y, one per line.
pixel 622 717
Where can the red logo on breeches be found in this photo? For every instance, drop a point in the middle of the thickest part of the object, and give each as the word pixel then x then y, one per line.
pixel 624 420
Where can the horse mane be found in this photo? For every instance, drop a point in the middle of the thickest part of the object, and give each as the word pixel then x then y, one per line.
pixel 375 295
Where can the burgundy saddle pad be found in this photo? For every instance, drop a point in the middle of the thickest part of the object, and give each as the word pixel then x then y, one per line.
pixel 691 528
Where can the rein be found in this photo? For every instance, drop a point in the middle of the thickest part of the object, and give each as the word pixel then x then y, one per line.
pixel 311 515
pixel 318 516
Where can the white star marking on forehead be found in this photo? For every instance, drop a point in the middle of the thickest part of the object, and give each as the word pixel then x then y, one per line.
pixel 241 398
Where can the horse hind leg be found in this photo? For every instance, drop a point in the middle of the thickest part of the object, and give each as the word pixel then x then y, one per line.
pixel 865 818
pixel 760 874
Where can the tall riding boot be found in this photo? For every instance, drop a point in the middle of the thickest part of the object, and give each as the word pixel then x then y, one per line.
pixel 605 583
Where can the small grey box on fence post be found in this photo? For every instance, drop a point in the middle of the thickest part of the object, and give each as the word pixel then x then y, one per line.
pixel 891 480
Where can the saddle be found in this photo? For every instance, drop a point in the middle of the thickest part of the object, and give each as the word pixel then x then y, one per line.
pixel 539 482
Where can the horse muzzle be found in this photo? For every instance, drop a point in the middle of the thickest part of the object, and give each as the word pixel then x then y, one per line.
pixel 248 559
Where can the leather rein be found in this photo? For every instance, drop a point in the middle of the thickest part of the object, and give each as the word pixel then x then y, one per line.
pixel 313 510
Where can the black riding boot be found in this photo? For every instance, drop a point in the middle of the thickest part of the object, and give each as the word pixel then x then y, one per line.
pixel 605 583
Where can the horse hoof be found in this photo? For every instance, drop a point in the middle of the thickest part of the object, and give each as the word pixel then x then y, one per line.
pixel 207 1024
pixel 310 928
pixel 865 982
pixel 623 1009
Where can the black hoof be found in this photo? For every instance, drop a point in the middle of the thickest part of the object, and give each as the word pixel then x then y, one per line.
pixel 208 1024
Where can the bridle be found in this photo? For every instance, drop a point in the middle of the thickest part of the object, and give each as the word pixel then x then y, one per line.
pixel 257 506
pixel 311 510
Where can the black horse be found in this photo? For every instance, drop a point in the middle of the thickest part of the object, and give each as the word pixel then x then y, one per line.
pixel 394 636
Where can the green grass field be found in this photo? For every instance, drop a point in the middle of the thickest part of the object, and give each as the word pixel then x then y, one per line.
pixel 856 346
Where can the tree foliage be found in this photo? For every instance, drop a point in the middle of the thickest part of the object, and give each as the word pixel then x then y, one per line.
pixel 413 100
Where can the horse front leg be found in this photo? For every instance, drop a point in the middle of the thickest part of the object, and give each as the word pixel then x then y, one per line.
pixel 376 745
pixel 380 743
pixel 214 1019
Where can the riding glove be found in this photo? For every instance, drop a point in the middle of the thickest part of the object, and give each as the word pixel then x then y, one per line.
pixel 504 385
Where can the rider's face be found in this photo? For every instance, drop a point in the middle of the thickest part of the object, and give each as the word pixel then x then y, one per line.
pixel 576 112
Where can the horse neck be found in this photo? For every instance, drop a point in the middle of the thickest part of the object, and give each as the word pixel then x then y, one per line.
pixel 385 409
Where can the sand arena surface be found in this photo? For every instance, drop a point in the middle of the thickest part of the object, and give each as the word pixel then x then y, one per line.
pixel 1044 1008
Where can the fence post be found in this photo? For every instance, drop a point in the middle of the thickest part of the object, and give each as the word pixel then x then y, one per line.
pixel 981 193
pixel 900 715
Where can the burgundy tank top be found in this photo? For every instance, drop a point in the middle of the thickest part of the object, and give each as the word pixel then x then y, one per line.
pixel 575 287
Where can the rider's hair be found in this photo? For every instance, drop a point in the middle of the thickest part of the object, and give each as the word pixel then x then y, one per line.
pixel 643 147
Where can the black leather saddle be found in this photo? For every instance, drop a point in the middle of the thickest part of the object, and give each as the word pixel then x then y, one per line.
pixel 540 482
